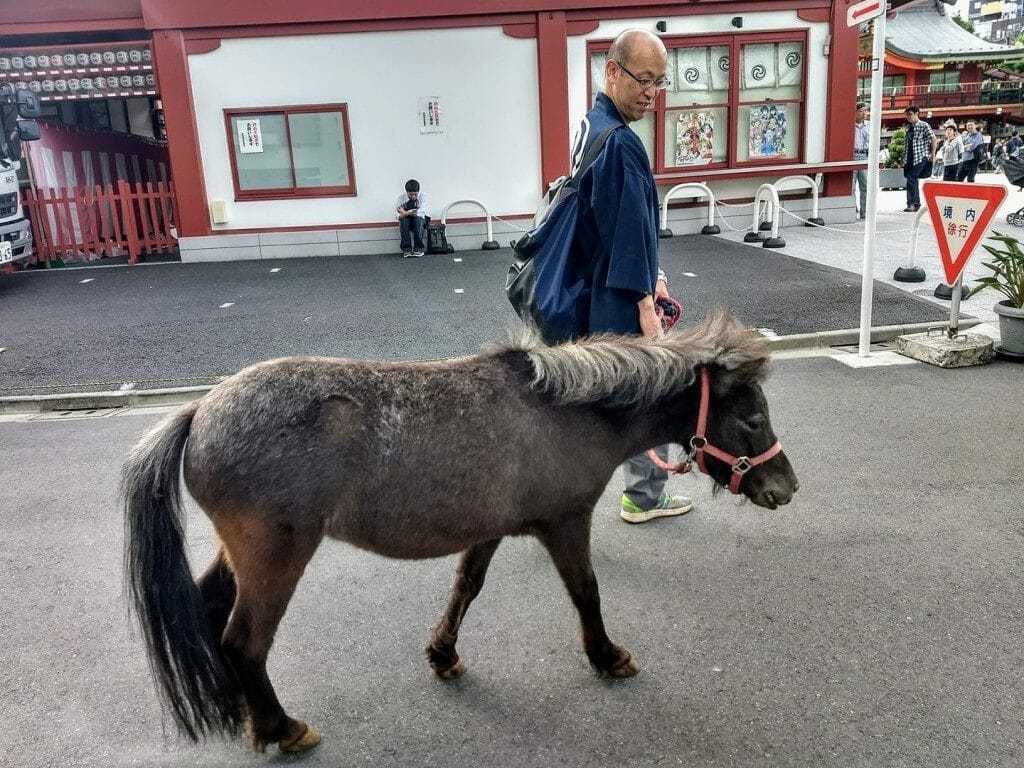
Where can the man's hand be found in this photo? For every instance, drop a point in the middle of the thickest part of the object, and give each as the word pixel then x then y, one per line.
pixel 660 290
pixel 650 323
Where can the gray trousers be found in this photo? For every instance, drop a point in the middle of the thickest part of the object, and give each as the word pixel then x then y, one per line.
pixel 860 179
pixel 644 481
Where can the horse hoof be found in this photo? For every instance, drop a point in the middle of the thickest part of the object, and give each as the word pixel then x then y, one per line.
pixel 625 668
pixel 308 739
pixel 457 669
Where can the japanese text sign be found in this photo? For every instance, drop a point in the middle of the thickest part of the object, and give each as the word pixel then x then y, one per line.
pixel 250 136
pixel 960 213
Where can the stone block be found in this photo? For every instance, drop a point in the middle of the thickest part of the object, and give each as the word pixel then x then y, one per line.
pixel 938 349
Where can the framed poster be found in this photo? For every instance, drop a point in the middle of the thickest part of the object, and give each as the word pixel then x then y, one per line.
pixel 695 138
pixel 768 127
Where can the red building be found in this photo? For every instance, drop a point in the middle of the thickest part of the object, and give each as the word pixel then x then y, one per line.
pixel 931 61
pixel 336 133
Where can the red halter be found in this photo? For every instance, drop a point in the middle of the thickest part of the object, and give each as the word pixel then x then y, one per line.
pixel 699 445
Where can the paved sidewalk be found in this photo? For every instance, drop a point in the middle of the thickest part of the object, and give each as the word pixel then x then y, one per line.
pixel 841 245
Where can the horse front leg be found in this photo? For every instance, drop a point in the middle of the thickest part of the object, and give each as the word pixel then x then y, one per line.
pixel 568 542
pixel 469 579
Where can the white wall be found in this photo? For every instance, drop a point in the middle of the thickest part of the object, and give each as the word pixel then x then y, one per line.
pixel 486 82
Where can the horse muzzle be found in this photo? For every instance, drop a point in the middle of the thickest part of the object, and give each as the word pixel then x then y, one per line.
pixel 773 484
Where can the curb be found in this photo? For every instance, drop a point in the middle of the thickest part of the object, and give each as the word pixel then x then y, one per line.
pixel 879 334
pixel 80 401
pixel 20 404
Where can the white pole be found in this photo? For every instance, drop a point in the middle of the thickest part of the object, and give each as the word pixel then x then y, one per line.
pixel 867 286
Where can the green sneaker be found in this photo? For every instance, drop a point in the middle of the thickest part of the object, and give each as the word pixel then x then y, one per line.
pixel 668 506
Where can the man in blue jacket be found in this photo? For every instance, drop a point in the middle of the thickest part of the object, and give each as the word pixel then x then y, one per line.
pixel 615 247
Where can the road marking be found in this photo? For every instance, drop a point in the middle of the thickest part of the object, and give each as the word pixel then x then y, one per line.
pixel 457 260
pixel 228 304
pixel 87 280
pixel 875 360
pixel 690 274
pixel 276 269
pixel 460 290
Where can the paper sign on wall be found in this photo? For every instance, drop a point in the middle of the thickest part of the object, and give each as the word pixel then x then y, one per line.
pixel 430 115
pixel 250 136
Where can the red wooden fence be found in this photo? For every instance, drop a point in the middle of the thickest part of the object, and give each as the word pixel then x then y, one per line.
pixel 84 224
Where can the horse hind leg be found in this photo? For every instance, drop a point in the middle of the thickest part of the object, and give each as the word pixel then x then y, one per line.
pixel 568 542
pixel 469 579
pixel 218 589
pixel 267 560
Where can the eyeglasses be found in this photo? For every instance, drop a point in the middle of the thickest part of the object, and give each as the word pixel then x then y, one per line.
pixel 645 82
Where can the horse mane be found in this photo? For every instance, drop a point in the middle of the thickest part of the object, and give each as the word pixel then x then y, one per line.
pixel 634 371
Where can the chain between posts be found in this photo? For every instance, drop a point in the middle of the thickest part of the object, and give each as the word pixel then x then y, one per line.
pixel 722 218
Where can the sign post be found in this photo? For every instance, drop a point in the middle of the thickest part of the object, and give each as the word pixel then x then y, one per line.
pixel 960 214
pixel 858 14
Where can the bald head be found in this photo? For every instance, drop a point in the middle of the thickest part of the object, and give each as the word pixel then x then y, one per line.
pixel 635 55
pixel 627 44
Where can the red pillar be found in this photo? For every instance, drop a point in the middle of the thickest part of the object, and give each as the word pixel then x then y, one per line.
pixel 171 64
pixel 842 98
pixel 553 81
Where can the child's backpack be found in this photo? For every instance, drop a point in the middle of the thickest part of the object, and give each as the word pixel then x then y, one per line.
pixel 436 240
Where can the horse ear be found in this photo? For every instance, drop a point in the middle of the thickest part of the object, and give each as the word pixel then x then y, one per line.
pixel 746 371
pixel 750 371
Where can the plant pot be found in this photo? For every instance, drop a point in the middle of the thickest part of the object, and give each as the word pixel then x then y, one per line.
pixel 1011 328
pixel 891 178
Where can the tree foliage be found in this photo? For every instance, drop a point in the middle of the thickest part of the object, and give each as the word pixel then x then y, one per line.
pixel 897 149
pixel 965 23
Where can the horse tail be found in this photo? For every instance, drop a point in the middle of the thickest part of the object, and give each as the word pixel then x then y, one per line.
pixel 195 682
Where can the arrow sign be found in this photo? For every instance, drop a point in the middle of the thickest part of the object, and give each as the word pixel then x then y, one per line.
pixel 960 214
pixel 864 11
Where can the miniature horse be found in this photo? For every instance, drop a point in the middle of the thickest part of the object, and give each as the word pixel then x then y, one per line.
pixel 413 460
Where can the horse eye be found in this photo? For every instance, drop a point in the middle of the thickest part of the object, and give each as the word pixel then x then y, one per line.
pixel 755 422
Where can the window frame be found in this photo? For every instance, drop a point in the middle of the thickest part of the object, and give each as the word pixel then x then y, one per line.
pixel 294 192
pixel 945 86
pixel 734 42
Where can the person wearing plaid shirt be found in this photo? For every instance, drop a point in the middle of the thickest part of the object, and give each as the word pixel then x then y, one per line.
pixel 921 145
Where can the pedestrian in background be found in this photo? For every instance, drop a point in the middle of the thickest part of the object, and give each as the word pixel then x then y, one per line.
pixel 952 155
pixel 1013 145
pixel 973 143
pixel 411 208
pixel 616 235
pixel 921 145
pixel 998 155
pixel 861 143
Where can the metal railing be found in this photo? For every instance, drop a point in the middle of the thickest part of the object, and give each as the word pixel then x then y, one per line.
pixel 961 95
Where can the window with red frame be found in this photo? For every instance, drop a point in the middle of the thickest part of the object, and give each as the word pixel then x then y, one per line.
pixel 716 115
pixel 285 152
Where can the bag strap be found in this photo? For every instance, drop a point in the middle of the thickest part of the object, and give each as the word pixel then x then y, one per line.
pixel 592 153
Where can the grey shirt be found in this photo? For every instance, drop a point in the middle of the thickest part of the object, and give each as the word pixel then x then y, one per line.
pixel 953 151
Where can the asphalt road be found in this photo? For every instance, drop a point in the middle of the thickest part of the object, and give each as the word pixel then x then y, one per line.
pixel 177 324
pixel 876 621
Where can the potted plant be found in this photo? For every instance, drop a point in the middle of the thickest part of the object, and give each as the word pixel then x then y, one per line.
pixel 891 175
pixel 1007 267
